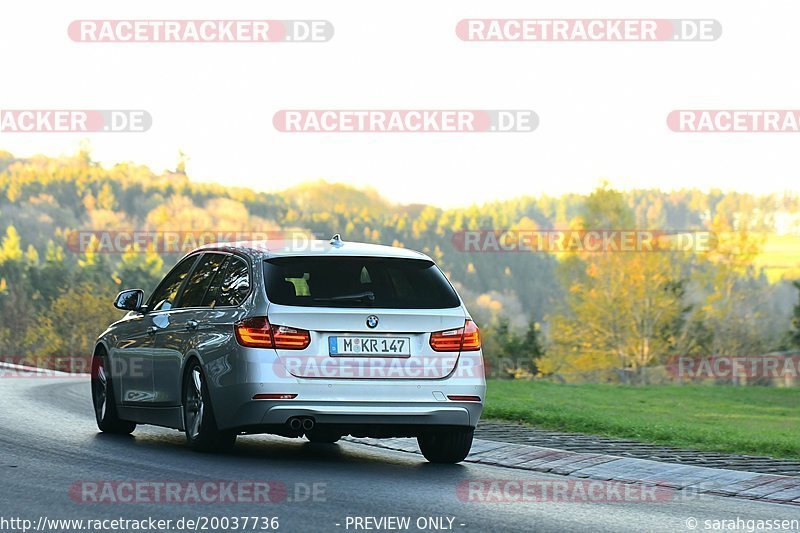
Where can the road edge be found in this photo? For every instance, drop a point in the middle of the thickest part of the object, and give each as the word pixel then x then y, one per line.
pixel 770 488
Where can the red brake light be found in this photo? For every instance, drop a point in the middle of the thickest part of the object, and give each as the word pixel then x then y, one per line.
pixel 287 338
pixel 466 339
pixel 447 341
pixel 460 398
pixel 279 396
pixel 257 332
pixel 472 337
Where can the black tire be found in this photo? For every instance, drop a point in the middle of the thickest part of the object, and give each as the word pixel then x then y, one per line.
pixel 322 436
pixel 105 406
pixel 202 434
pixel 446 446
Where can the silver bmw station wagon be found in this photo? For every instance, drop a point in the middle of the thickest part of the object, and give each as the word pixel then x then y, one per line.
pixel 323 340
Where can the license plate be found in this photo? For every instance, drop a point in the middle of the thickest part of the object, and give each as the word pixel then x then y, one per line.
pixel 366 346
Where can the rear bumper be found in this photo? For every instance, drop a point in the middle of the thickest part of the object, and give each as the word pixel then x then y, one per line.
pixel 346 413
pixel 253 413
pixel 343 402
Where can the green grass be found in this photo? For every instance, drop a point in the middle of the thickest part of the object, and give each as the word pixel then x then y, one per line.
pixel 780 257
pixel 751 420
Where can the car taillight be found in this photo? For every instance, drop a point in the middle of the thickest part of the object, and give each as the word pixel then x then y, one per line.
pixel 277 396
pixel 287 338
pixel 472 337
pixel 257 332
pixel 463 398
pixel 466 339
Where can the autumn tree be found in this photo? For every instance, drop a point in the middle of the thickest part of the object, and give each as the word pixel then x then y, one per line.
pixel 139 269
pixel 731 292
pixel 622 309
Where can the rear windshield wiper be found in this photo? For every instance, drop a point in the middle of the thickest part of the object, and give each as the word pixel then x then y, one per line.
pixel 360 297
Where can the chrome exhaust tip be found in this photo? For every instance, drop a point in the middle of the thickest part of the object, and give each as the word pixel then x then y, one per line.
pixel 295 424
pixel 308 424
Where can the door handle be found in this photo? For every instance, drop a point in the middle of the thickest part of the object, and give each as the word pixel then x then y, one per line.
pixel 192 324
pixel 151 330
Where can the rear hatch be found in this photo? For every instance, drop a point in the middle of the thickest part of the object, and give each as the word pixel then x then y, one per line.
pixel 366 317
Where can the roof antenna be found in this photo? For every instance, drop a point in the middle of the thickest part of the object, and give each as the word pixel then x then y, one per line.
pixel 336 241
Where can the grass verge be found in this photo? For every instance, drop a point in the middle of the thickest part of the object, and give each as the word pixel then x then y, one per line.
pixel 748 420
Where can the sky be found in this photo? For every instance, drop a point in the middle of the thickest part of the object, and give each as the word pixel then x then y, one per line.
pixel 602 106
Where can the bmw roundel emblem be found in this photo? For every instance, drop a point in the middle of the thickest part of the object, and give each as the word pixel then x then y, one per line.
pixel 372 321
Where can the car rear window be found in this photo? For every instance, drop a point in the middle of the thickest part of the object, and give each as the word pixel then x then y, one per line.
pixel 358 282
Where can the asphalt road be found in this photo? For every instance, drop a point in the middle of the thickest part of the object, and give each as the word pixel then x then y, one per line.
pixel 49 444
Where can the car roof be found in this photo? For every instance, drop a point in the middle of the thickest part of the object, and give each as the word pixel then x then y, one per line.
pixel 312 247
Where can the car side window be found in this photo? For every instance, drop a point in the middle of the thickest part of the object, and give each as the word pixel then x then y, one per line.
pixel 210 298
pixel 201 279
pixel 235 284
pixel 164 296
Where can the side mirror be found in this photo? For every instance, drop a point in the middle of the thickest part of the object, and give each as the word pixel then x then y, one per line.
pixel 130 300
